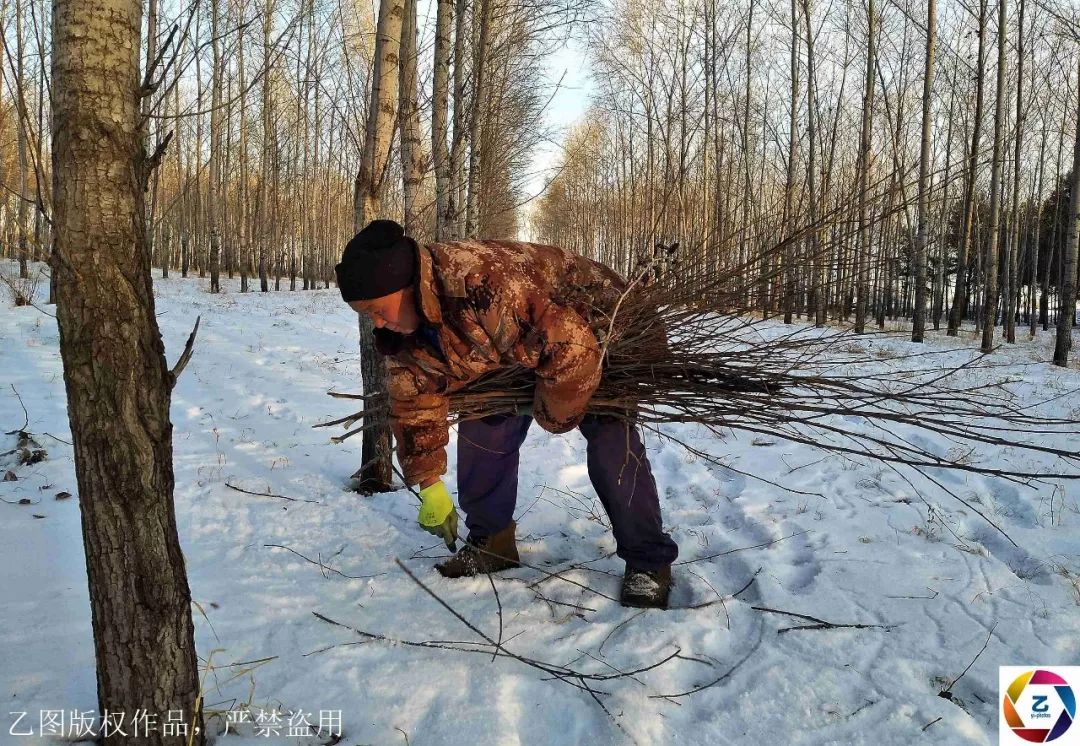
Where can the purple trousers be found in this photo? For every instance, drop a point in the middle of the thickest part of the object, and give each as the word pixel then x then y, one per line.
pixel 618 468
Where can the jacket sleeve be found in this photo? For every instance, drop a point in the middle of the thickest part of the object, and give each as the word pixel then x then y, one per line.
pixel 568 372
pixel 418 418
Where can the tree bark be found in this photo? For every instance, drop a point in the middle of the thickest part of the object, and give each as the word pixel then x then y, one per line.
pixel 1033 301
pixel 1067 307
pixel 118 385
pixel 456 198
pixel 263 218
pixel 1013 261
pixel 22 115
pixel 377 474
pixel 243 249
pixel 956 315
pixel 476 126
pixel 918 327
pixel 814 240
pixel 788 257
pixel 993 251
pixel 440 93
pixel 382 110
pixel 412 155
pixel 862 289
pixel 213 205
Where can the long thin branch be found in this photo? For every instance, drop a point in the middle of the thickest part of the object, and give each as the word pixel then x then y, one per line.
pixel 189 349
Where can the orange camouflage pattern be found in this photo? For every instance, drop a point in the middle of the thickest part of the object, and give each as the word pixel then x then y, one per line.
pixel 495 304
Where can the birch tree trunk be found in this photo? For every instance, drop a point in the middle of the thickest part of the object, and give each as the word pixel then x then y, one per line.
pixel 196 208
pixel 1067 312
pixel 918 327
pixel 382 109
pixel 213 204
pixel 22 116
pixel 1013 261
pixel 182 178
pixel 412 155
pixel 788 258
pixel 992 253
pixel 1033 302
pixel 862 289
pixel 243 249
pixel 117 382
pixel 814 240
pixel 1055 240
pixel 943 223
pixel 476 126
pixel 439 98
pixel 262 208
pixel 456 198
pixel 376 473
pixel 959 308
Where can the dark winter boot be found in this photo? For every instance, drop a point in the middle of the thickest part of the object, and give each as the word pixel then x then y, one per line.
pixel 646 589
pixel 483 554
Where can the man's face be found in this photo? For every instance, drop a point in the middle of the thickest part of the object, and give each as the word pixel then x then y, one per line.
pixel 396 312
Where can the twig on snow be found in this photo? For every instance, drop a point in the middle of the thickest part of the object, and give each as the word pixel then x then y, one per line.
pixel 323 567
pixel 269 494
pixel 946 693
pixel 818 623
pixel 26 417
pixel 741 549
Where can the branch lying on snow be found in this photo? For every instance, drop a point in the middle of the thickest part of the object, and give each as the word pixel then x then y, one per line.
pixel 722 677
pixel 576 566
pixel 818 623
pixel 497 648
pixel 552 575
pixel 323 567
pixel 26 416
pixel 946 693
pixel 269 494
pixel 719 599
pixel 742 549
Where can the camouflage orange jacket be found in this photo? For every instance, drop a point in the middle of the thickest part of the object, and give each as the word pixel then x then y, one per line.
pixel 493 304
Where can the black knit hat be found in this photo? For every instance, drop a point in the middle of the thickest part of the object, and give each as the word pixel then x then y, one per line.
pixel 378 261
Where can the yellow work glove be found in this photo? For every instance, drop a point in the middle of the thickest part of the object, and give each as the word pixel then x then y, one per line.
pixel 437 513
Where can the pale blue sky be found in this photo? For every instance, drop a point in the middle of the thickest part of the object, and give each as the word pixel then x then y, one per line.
pixel 568 62
pixel 567 107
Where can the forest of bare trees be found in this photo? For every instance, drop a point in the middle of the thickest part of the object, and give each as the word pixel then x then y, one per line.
pixel 862 162
pixel 846 162
pixel 266 106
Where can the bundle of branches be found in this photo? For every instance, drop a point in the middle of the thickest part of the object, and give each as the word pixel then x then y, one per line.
pixel 806 385
pixel 676 352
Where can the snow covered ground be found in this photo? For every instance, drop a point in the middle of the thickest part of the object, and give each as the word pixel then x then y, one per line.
pixel 847 542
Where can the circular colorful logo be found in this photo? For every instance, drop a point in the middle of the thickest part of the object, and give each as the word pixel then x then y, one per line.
pixel 1039 706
